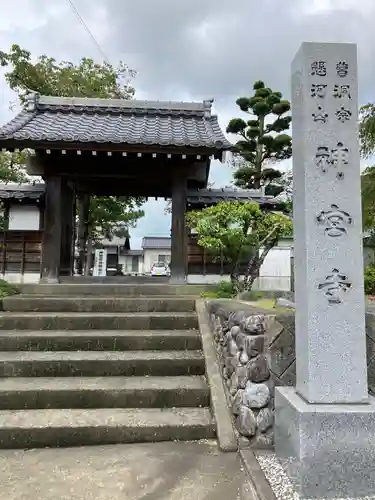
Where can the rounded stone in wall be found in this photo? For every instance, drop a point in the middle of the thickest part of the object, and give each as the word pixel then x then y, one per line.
pixel 233 384
pixel 257 369
pixel 244 358
pixel 254 345
pixel 236 318
pixel 241 376
pixel 256 395
pixel 234 331
pixel 265 419
pixel 238 401
pixel 241 341
pixel 254 325
pixel 232 348
pixel 246 423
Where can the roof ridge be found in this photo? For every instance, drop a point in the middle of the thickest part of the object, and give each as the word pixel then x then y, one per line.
pixel 157 237
pixel 35 101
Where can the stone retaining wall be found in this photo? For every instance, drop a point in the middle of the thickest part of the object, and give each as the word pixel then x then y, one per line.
pixel 240 336
pixel 256 352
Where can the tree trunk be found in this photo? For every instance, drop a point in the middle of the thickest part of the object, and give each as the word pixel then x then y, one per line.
pixel 235 276
pixel 255 264
pixel 88 264
pixel 259 153
pixel 84 201
pixel 235 280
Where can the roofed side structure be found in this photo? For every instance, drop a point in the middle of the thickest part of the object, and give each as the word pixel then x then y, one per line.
pixel 197 198
pixel 201 198
pixel 21 192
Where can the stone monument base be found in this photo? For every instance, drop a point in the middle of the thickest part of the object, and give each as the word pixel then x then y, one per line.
pixel 327 450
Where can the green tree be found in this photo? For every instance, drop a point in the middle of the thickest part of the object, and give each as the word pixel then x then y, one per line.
pixel 107 215
pixel 50 77
pixel 12 167
pixel 368 199
pixel 261 142
pixel 240 231
pixel 367 143
pixel 367 130
pixel 114 217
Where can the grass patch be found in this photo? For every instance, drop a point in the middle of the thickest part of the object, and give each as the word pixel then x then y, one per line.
pixel 225 290
pixel 270 304
pixel 7 289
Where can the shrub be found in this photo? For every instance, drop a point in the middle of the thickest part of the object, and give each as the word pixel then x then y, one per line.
pixel 7 289
pixel 370 280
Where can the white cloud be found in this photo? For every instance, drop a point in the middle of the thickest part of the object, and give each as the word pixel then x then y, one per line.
pixel 191 50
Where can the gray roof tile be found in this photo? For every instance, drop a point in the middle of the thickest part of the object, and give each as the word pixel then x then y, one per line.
pixel 21 191
pixel 194 197
pixel 62 119
pixel 210 196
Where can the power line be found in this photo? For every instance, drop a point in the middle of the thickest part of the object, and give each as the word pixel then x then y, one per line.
pixel 81 20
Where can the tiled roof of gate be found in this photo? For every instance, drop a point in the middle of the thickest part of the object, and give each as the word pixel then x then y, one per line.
pixel 89 120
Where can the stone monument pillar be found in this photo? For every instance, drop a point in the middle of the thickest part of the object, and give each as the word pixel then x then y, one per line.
pixel 325 427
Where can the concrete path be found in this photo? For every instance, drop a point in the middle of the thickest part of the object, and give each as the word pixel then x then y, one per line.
pixel 157 471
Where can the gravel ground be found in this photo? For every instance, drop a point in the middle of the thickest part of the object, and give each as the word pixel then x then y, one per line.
pixel 279 481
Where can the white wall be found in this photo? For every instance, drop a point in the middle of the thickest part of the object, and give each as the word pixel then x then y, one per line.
pixel 150 257
pixel 24 218
pixel 274 274
pixel 18 278
pixel 125 261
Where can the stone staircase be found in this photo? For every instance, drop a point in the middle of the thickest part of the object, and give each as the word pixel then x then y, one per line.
pixel 88 364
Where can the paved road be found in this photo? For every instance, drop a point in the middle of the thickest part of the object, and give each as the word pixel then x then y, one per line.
pixel 160 471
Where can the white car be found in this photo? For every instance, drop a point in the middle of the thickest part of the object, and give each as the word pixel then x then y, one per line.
pixel 160 269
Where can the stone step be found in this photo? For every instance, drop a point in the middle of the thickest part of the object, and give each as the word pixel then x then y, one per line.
pixel 101 363
pixel 103 392
pixel 80 427
pixel 28 303
pixel 113 290
pixel 98 321
pixel 99 340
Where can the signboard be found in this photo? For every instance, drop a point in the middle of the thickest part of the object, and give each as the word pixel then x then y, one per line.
pixel 100 262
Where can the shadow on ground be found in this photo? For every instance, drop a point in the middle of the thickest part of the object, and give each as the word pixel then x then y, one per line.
pixel 157 471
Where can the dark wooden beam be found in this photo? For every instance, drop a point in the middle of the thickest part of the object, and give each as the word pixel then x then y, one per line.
pixel 83 204
pixel 179 236
pixel 52 234
pixel 57 245
pixel 67 229
pixel 114 165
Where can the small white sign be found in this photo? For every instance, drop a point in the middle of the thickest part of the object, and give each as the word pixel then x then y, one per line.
pixel 100 262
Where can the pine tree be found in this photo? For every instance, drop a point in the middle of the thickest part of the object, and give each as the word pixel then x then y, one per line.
pixel 262 141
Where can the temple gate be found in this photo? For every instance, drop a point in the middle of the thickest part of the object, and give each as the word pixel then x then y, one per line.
pixel 109 147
